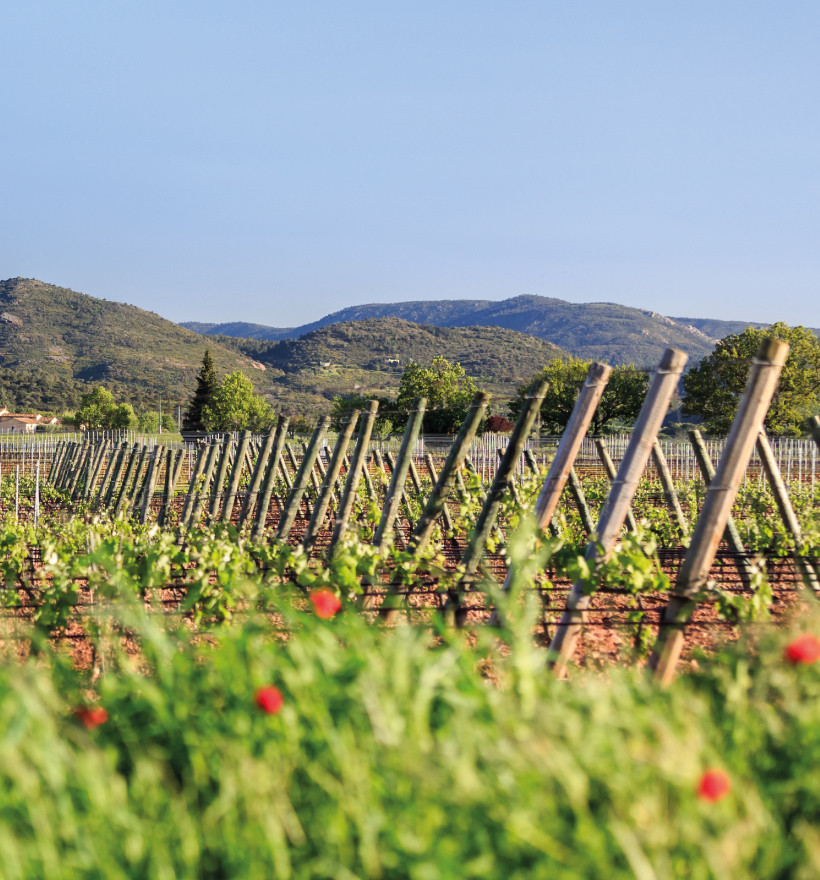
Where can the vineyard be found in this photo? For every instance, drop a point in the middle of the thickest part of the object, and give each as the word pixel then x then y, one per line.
pixel 213 528
pixel 217 629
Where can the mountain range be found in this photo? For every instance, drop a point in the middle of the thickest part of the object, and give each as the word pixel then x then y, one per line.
pixel 594 331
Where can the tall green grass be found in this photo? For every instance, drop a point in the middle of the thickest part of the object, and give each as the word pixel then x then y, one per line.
pixel 402 753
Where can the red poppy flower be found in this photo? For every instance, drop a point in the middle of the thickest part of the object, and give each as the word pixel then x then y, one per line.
pixel 804 649
pixel 269 699
pixel 91 716
pixel 326 603
pixel 714 785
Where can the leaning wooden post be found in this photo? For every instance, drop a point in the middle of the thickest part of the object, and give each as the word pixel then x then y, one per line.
pixel 317 520
pixel 249 501
pixel 395 489
pixel 109 471
pixel 57 460
pixel 669 493
pixel 65 468
pixel 270 479
pixel 79 472
pixel 561 468
pixel 188 503
pixel 301 479
pixel 236 476
pixel 720 496
pixel 784 506
pixel 122 497
pixel 116 475
pixel 733 539
pixel 613 515
pixel 445 511
pixel 446 479
pixel 609 470
pixel 95 471
pixel 201 492
pixel 354 474
pixel 500 485
pixel 137 485
pixel 171 474
pixel 150 482
pixel 219 477
pixel 814 427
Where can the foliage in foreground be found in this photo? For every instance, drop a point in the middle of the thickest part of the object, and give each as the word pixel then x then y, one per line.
pixel 335 748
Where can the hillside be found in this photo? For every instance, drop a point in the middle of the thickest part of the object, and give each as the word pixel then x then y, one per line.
pixel 594 331
pixel 56 344
pixel 369 357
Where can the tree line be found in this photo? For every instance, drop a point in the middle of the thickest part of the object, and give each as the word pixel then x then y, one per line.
pixel 709 394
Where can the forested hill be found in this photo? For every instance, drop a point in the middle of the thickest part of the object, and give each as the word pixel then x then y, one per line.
pixel 56 344
pixel 369 356
pixel 601 331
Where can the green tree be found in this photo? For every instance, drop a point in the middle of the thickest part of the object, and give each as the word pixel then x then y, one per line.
pixel 344 403
pixel 206 385
pixel 621 401
pixel 148 421
pixel 99 412
pixel 448 389
pixel 712 389
pixel 235 407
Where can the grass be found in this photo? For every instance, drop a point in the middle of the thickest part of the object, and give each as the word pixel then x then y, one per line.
pixel 401 754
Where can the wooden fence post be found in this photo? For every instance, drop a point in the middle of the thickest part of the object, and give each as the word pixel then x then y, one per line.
pixel 720 496
pixel 611 521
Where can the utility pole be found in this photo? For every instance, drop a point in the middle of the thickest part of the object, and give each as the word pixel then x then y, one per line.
pixel 160 417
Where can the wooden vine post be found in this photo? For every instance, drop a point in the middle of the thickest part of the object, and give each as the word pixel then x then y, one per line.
pixel 354 473
pixel 301 479
pixel 317 520
pixel 492 502
pixel 720 496
pixel 236 476
pixel 274 460
pixel 614 512
pixel 732 536
pixel 561 468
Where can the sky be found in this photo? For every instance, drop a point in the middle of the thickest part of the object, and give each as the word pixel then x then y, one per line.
pixel 273 162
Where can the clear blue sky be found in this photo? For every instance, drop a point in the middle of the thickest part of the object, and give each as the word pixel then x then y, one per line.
pixel 272 162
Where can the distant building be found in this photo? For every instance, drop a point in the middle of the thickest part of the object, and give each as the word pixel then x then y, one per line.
pixel 22 423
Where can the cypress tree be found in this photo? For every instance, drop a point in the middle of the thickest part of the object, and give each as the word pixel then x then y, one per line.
pixel 206 384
